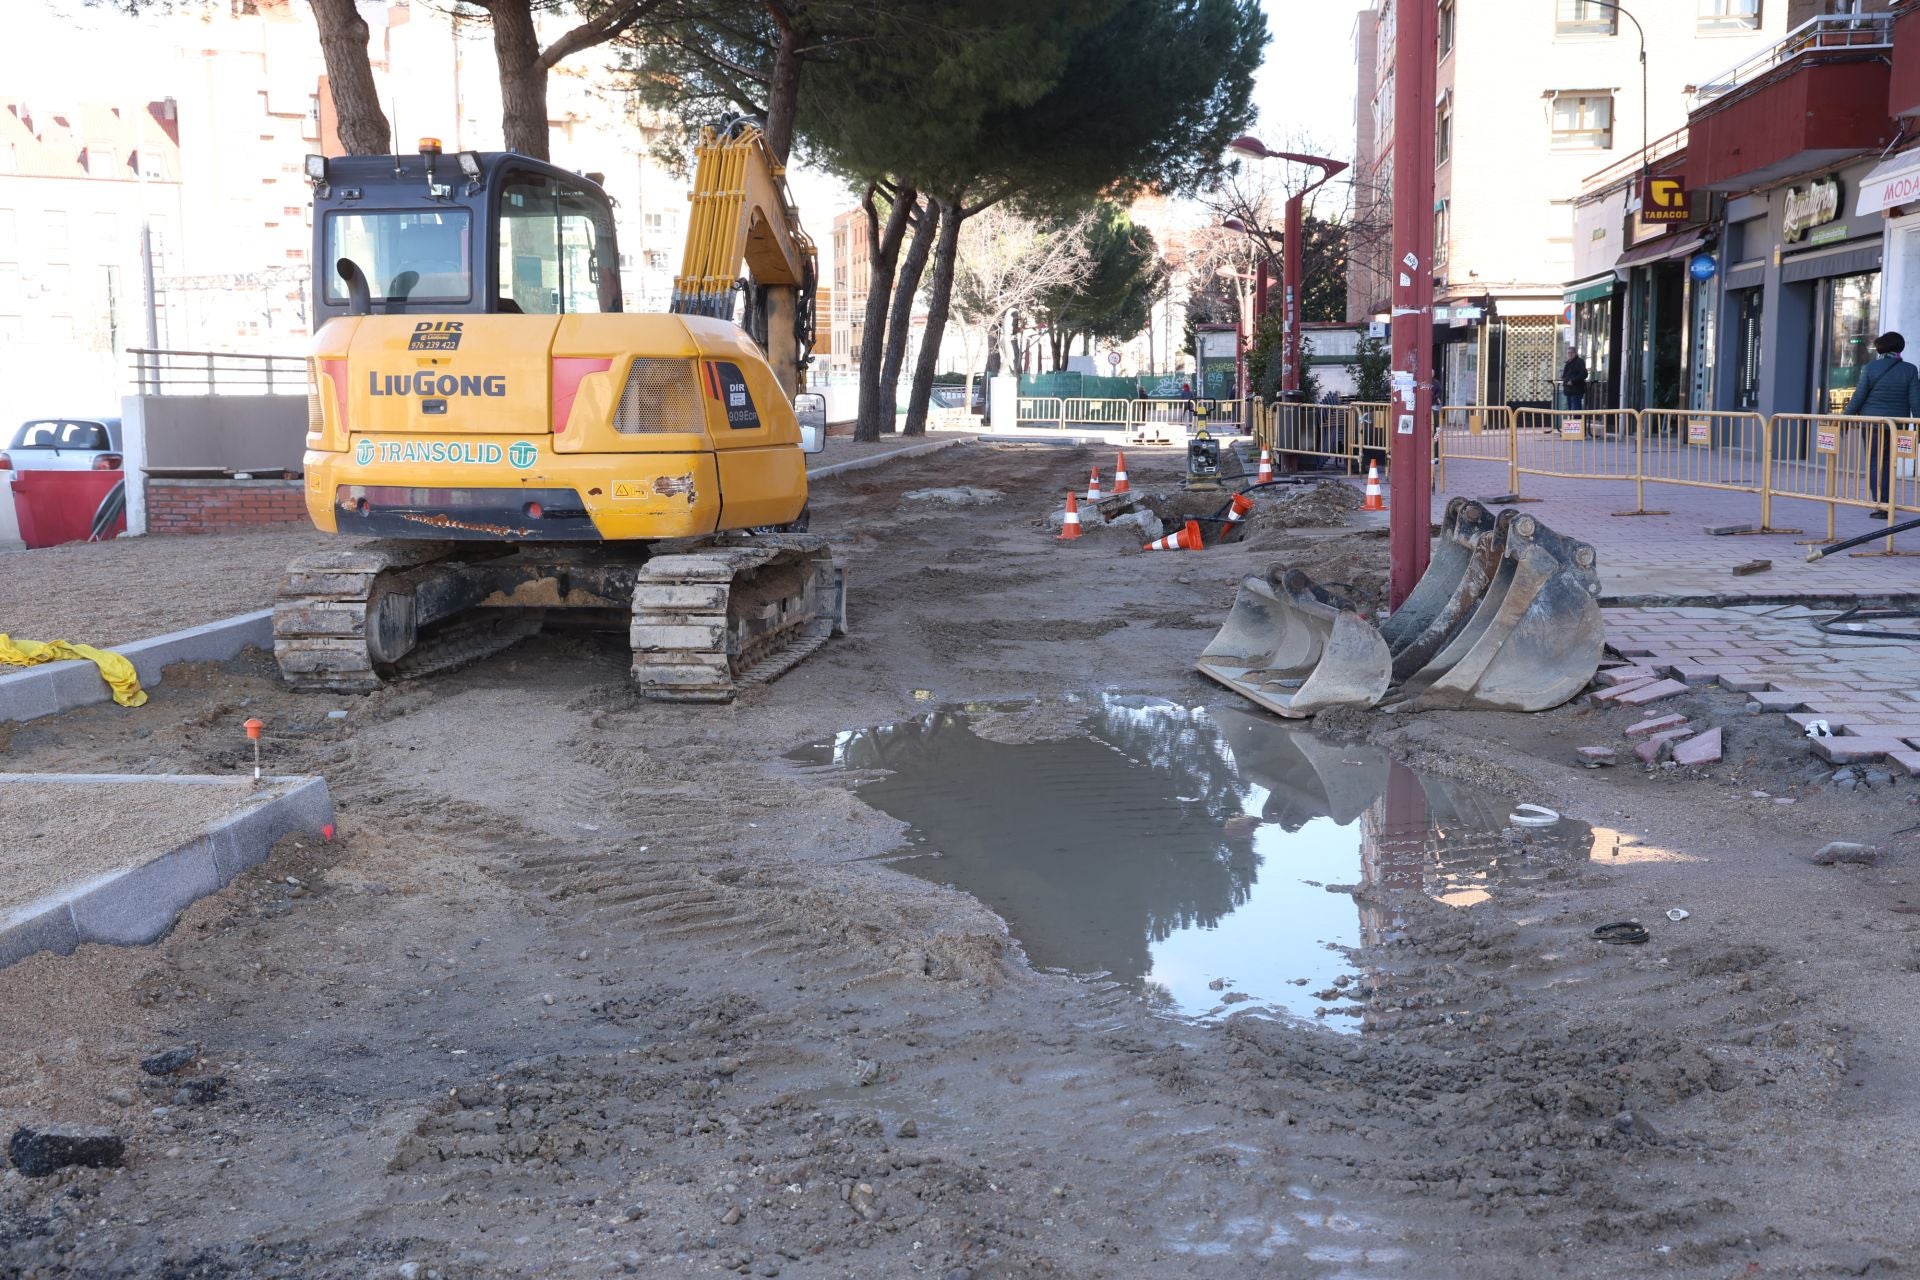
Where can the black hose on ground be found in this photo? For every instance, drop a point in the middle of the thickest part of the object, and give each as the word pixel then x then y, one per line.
pixel 1821 552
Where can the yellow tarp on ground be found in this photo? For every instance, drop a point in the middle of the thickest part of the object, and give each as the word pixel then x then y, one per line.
pixel 114 669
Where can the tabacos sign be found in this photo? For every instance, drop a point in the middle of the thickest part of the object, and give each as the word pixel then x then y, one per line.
pixel 1665 200
pixel 1810 206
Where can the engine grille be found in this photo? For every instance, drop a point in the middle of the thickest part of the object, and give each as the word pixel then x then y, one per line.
pixel 660 395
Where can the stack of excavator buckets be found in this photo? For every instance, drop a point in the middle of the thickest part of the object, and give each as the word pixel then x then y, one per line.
pixel 1506 617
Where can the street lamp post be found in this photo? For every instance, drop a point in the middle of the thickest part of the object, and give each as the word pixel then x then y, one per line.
pixel 1645 172
pixel 1292 267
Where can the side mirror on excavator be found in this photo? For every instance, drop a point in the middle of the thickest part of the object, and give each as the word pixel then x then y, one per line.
pixel 811 408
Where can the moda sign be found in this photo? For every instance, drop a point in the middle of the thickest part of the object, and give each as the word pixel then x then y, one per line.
pixel 1811 206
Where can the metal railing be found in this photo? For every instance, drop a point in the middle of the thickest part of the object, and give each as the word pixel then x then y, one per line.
pixel 217 373
pixel 1134 417
pixel 1634 164
pixel 1830 34
pixel 1473 433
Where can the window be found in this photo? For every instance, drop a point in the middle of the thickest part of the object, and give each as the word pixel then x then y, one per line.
pixel 56 225
pixel 656 222
pixel 1443 131
pixel 1583 121
pixel 1729 15
pixel 106 229
pixel 1442 225
pixel 423 256
pixel 557 253
pixel 1446 27
pixel 657 260
pixel 1585 18
pixel 7 229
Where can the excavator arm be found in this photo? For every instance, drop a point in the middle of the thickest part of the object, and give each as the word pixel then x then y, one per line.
pixel 742 212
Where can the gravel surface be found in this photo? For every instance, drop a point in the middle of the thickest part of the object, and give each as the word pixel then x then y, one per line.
pixel 108 593
pixel 589 985
pixel 61 834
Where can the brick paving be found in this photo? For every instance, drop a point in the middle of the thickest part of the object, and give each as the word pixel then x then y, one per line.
pixel 1660 575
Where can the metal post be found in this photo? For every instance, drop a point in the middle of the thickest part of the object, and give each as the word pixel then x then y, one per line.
pixel 1290 294
pixel 1639 464
pixel 1410 452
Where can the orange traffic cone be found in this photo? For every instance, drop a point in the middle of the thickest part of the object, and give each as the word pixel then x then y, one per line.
pixel 1376 501
pixel 1070 526
pixel 1188 539
pixel 1266 467
pixel 1238 511
pixel 1093 486
pixel 1120 484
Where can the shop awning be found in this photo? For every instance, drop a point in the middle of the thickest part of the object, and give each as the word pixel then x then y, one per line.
pixel 1895 181
pixel 1661 249
pixel 1592 290
pixel 1521 308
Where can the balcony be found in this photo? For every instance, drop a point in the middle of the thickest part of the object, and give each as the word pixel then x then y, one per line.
pixel 1903 94
pixel 1817 97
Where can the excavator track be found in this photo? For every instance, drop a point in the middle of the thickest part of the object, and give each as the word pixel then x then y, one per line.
pixel 708 617
pixel 714 617
pixel 320 621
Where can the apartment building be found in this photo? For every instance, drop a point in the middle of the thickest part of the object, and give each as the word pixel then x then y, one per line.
pixel 221 104
pixel 1533 97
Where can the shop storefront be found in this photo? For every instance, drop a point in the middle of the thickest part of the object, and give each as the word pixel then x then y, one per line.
pixel 1892 191
pixel 1802 298
pixel 1593 322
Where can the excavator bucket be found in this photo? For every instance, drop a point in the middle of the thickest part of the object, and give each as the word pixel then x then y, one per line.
pixel 1535 637
pixel 1506 617
pixel 1296 648
pixel 1464 560
pixel 1305 777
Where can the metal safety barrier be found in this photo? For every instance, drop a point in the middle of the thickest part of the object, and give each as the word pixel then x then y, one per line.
pixel 1040 411
pixel 1101 414
pixel 1828 458
pixel 1476 433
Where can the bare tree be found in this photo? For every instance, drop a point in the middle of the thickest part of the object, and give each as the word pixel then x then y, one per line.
pixel 360 122
pixel 1007 263
pixel 524 64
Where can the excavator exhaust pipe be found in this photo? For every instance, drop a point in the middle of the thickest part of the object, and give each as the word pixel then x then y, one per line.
pixel 1507 617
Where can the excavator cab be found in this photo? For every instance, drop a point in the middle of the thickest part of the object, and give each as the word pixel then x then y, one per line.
pixel 473 233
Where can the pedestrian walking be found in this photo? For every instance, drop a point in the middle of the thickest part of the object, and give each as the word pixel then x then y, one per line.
pixel 1573 380
pixel 1888 388
pixel 1186 395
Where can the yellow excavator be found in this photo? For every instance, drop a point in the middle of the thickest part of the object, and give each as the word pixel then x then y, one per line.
pixel 515 444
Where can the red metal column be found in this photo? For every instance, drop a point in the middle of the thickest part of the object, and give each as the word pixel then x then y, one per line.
pixel 1290 294
pixel 1410 453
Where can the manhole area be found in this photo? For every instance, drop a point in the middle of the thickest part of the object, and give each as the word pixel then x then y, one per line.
pixel 1215 860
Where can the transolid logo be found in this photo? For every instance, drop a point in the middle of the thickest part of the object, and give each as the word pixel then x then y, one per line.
pixel 521 454
pixel 363 453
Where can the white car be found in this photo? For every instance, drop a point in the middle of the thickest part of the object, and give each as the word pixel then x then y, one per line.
pixel 64 444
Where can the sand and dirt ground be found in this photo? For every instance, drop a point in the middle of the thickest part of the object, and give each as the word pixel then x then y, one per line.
pixel 592 986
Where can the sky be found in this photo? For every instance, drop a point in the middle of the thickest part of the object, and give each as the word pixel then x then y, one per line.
pixel 1305 89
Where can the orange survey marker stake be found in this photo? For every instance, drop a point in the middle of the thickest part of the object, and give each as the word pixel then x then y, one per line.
pixel 1070 526
pixel 1120 484
pixel 1265 475
pixel 326 832
pixel 1093 486
pixel 1187 539
pixel 253 728
pixel 1376 500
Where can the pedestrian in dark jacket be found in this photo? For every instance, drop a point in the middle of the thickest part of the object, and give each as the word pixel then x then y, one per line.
pixel 1889 388
pixel 1573 380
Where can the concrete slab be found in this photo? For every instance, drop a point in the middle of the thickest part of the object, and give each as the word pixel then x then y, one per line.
pixel 128 905
pixel 28 693
pixel 873 460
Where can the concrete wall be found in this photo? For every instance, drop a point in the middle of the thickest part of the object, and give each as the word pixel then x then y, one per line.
pixel 233 433
pixel 1510 189
pixel 216 506
pixel 9 521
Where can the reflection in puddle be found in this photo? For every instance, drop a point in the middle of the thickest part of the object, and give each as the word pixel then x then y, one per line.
pixel 1205 858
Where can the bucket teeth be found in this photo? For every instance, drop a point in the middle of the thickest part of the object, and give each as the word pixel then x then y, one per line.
pixel 1506 617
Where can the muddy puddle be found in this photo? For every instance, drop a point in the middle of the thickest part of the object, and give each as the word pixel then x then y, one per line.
pixel 1215 860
